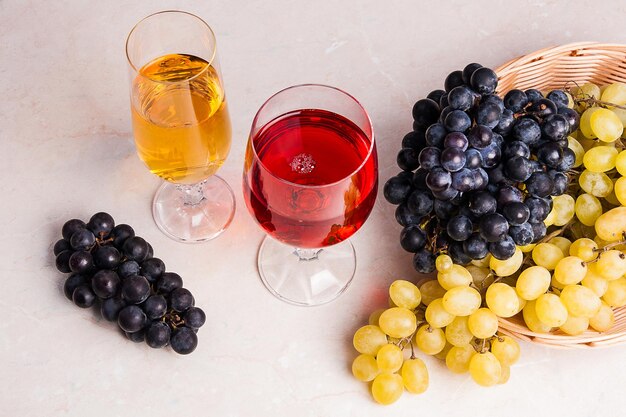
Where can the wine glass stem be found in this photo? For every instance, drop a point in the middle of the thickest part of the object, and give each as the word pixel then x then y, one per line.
pixel 307 254
pixel 192 194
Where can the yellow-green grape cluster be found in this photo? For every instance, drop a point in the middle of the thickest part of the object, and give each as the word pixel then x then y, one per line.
pixel 381 346
pixel 461 327
pixel 573 286
pixel 599 149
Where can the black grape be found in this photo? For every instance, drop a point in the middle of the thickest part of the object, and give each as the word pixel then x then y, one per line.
pixel 106 283
pixel 72 226
pixel 181 299
pixel 184 340
pixel 194 317
pixel 158 335
pixel 101 224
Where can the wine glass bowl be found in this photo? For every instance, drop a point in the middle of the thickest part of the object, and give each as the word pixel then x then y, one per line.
pixel 310 181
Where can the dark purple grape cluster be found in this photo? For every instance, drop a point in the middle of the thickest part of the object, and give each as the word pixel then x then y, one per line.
pixel 478 171
pixel 116 271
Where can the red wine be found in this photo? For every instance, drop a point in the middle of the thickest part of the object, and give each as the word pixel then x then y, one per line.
pixel 313 180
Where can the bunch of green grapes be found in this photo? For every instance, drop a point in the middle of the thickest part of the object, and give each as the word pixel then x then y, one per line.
pixel 600 150
pixel 460 308
pixel 382 343
pixel 573 286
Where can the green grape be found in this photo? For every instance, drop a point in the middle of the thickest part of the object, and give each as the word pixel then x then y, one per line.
pixel 522 302
pixel 594 281
pixel 580 301
pixel 621 114
pixel 506 267
pixel 574 326
pixel 532 320
pixel 481 276
pixel 620 190
pixel 458 358
pixel 588 209
pixel 397 322
pixel 502 299
pixel 389 358
pixel 457 276
pixel 547 255
pixel 482 263
pixel 556 284
pixel 369 339
pixel 604 318
pixel 605 125
pixel 585 123
pixel 590 90
pixel 527 248
pixel 595 183
pixel 620 163
pixel 405 294
pixel 436 315
pixel 505 375
pixel 578 149
pixel 611 264
pixel 533 282
pixel 564 209
pixel 387 388
pixel 551 310
pixel 612 198
pixel 443 263
pixel 611 225
pixel 442 355
pixel 461 301
pixel 549 221
pixel 563 243
pixel 485 369
pixel 458 333
pixel 365 368
pixel 483 323
pixel 374 316
pixel 615 94
pixel 600 158
pixel 430 340
pixel 615 294
pixel 415 376
pixel 431 290
pixel 584 248
pixel 505 349
pixel 570 270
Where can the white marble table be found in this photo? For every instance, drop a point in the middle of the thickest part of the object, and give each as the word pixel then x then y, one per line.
pixel 67 151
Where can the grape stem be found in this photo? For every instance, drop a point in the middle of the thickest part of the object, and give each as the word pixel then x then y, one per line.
pixel 402 342
pixel 412 351
pixel 592 101
pixel 588 99
pixel 612 245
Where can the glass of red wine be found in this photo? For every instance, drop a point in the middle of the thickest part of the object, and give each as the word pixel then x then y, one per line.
pixel 310 180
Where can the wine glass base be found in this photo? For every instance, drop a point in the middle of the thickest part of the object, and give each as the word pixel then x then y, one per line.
pixel 194 223
pixel 306 282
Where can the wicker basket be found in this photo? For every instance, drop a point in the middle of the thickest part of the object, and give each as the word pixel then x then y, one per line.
pixel 552 68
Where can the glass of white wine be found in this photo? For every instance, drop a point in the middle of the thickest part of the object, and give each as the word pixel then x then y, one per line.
pixel 181 123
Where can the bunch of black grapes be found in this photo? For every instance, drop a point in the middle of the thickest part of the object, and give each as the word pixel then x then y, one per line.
pixel 116 271
pixel 478 171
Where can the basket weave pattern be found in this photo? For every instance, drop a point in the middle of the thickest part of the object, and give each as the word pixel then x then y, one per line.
pixel 545 70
